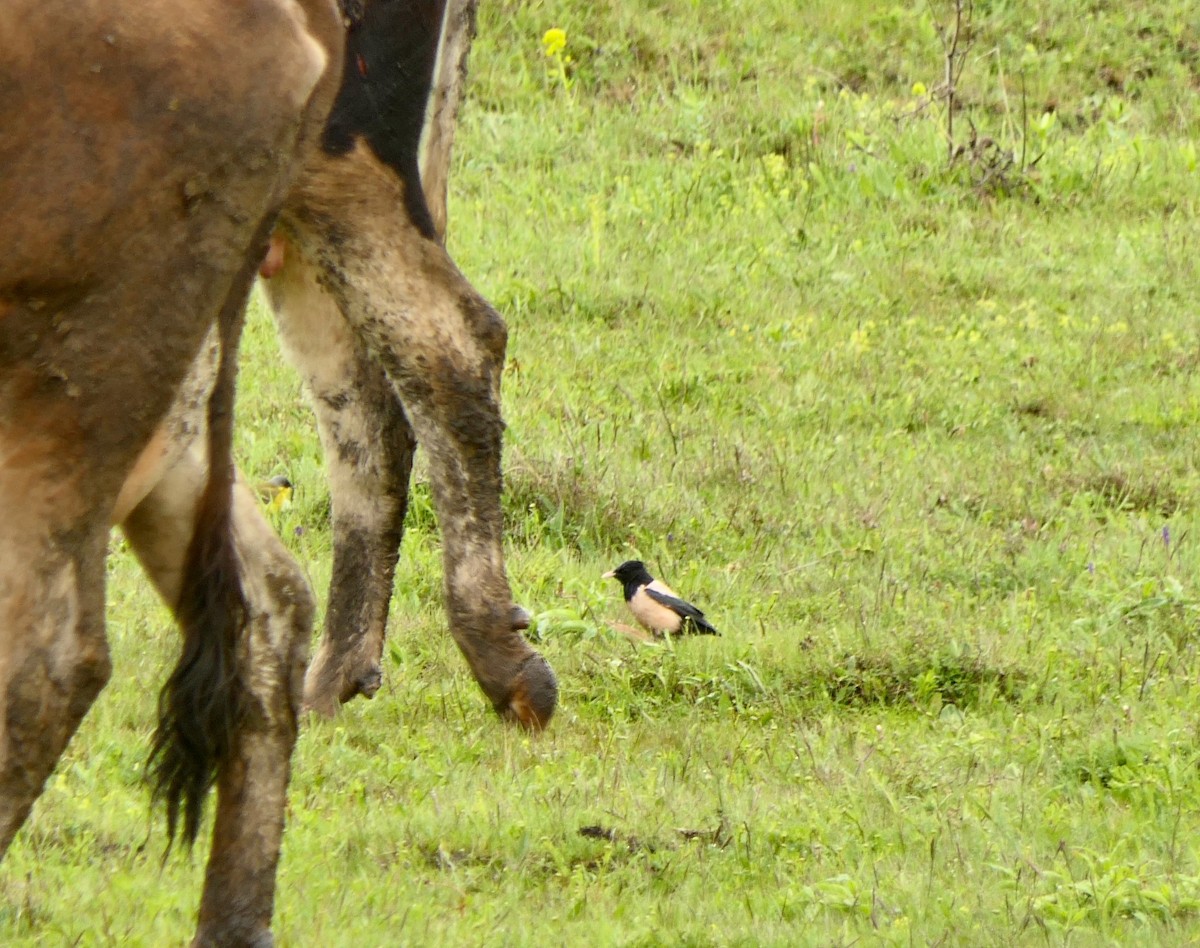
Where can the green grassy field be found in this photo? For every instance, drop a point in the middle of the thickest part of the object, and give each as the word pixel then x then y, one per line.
pixel 919 434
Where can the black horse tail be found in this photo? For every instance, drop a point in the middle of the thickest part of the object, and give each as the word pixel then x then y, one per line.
pixel 204 700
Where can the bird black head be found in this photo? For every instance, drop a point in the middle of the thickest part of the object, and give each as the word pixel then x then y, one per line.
pixel 631 574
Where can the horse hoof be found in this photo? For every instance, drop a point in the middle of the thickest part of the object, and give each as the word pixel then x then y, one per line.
pixel 370 681
pixel 534 697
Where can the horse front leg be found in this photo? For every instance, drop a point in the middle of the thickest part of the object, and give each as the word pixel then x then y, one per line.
pixel 368 445
pixel 443 348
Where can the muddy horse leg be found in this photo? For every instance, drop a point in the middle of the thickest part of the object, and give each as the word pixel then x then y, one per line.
pixel 359 214
pixel 252 784
pixel 368 445
pixel 367 438
pixel 442 346
pixel 53 653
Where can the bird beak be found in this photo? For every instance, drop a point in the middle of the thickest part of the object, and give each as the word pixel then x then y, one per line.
pixel 609 575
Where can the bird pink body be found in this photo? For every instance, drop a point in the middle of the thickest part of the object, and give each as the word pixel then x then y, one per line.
pixel 654 616
pixel 655 605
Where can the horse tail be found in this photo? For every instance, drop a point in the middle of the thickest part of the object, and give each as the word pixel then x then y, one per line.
pixel 204 700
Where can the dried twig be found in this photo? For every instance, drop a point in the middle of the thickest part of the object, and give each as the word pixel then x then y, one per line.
pixel 956 44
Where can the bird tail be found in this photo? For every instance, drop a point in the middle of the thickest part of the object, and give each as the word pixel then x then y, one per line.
pixel 698 625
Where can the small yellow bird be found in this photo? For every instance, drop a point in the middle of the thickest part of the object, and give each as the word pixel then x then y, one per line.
pixel 655 605
pixel 276 493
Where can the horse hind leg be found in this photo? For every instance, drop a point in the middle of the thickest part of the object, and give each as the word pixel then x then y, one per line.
pixel 53 659
pixel 239 888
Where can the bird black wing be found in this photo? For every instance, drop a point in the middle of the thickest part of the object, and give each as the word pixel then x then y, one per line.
pixel 685 610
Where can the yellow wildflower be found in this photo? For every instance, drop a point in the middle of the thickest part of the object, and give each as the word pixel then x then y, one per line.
pixel 554 41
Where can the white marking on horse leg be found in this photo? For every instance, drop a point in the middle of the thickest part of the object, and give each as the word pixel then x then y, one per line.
pixel 441 115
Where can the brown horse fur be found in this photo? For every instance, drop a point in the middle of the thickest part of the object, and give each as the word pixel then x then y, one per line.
pixel 147 147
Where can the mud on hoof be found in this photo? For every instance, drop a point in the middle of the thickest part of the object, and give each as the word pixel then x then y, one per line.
pixel 367 683
pixel 534 696
pixel 325 693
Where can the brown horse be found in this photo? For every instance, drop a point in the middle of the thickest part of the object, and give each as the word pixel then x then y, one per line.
pixel 148 150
